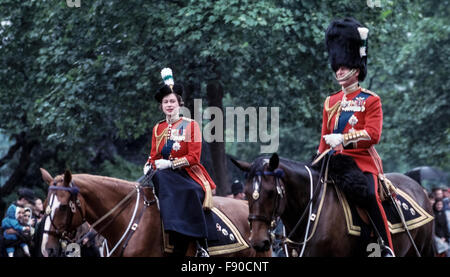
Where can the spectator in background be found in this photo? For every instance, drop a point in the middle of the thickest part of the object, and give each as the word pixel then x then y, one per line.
pixel 28 220
pixel 237 189
pixel 26 197
pixel 447 215
pixel 438 193
pixel 38 210
pixel 441 226
pixel 446 199
pixel 12 228
pixel 431 199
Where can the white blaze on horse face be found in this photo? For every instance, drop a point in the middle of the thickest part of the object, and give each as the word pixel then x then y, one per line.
pixel 256 182
pixel 54 204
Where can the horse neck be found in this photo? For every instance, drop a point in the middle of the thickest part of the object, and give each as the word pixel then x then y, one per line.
pixel 101 195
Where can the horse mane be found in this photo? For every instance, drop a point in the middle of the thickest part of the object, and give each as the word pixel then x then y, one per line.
pixel 88 181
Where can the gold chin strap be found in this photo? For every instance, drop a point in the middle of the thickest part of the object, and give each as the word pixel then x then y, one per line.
pixel 346 76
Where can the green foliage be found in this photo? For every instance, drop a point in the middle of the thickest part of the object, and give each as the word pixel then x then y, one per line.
pixel 80 81
pixel 121 168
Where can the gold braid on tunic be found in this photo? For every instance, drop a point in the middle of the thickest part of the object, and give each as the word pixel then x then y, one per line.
pixel 161 136
pixel 331 111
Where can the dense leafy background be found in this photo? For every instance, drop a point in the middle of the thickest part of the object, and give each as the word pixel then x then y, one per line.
pixel 77 84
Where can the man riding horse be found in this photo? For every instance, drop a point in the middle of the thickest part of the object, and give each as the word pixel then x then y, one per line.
pixel 352 117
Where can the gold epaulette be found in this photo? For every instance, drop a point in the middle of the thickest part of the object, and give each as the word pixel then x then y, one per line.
pixel 333 93
pixel 186 118
pixel 369 92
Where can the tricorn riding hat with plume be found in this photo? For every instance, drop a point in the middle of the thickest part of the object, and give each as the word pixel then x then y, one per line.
pixel 346 42
pixel 169 85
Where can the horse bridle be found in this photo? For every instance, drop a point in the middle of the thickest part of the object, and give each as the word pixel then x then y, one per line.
pixel 72 207
pixel 277 174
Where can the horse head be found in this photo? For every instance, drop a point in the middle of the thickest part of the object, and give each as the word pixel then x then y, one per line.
pixel 63 212
pixel 265 191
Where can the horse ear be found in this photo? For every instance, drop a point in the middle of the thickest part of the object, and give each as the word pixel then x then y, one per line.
pixel 67 177
pixel 244 166
pixel 46 176
pixel 274 162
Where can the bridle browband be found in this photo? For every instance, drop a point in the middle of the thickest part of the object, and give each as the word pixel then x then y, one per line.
pixel 74 205
pixel 278 174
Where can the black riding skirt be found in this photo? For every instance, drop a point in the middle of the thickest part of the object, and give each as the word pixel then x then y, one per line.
pixel 180 201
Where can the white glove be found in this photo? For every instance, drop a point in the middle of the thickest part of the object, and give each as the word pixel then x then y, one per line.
pixel 333 140
pixel 163 164
pixel 147 167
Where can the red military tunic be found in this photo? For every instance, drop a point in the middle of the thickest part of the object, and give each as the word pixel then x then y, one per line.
pixel 186 150
pixel 362 131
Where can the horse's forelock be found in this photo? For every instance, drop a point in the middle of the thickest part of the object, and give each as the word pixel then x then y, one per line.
pixel 58 179
pixel 258 165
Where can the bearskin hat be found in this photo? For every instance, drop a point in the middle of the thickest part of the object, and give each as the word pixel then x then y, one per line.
pixel 169 85
pixel 346 42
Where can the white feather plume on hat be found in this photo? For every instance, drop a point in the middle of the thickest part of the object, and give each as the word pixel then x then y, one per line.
pixel 167 76
pixel 363 32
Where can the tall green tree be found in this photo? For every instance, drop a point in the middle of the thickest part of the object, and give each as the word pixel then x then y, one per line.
pixel 77 84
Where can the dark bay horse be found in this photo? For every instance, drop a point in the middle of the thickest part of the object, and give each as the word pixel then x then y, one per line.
pixel 74 198
pixel 286 193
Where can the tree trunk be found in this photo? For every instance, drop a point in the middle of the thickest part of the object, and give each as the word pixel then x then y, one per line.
pixel 188 98
pixel 214 92
pixel 20 171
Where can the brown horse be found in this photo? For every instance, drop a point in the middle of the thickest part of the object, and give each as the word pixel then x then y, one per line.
pixel 279 187
pixel 111 205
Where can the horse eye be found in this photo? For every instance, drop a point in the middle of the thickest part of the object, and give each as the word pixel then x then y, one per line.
pixel 63 208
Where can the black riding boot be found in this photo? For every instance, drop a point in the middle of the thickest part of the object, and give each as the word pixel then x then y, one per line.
pixel 180 244
pixel 377 219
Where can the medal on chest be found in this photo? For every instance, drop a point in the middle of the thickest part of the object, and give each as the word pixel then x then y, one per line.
pixel 177 135
pixel 352 121
pixel 354 105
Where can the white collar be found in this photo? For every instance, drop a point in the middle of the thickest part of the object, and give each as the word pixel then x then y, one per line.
pixel 351 88
pixel 172 119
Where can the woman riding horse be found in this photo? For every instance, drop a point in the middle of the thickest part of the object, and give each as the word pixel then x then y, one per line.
pixel 182 184
pixel 352 117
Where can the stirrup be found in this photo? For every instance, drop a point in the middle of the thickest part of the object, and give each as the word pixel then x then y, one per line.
pixel 387 252
pixel 201 252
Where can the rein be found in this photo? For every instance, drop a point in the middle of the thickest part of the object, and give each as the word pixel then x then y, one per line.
pixel 320 180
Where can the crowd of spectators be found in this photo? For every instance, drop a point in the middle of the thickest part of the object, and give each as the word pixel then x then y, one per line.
pixel 18 228
pixel 439 199
pixel 22 228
